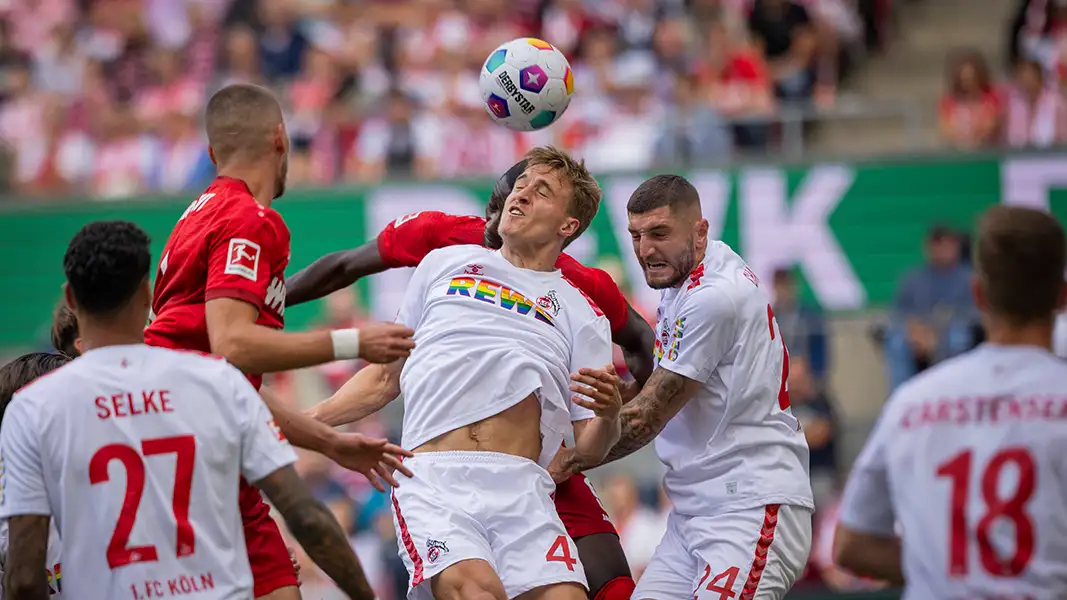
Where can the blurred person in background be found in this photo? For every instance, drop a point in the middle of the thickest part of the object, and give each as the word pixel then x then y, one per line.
pixel 169 93
pixel 281 42
pixel 970 109
pixel 692 134
pixel 566 22
pixel 815 411
pixel 801 323
pixel 626 131
pixel 737 80
pixel 934 313
pixel 786 32
pixel 394 142
pixel 184 161
pixel 1036 111
pixel 59 63
pixel 240 58
pixel 640 527
pixel 467 144
pixel 123 158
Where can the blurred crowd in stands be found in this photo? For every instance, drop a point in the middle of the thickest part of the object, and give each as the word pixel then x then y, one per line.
pixel 105 97
pixel 1025 109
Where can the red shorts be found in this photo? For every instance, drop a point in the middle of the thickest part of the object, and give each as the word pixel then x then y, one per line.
pixel 580 509
pixel 271 567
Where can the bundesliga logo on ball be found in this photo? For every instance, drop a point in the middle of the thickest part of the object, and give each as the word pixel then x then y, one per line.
pixel 526 84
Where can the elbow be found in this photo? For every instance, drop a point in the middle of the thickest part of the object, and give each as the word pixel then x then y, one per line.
pixel 24 587
pixel 233 345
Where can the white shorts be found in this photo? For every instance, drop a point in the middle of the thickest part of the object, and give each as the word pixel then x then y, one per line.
pixel 755 553
pixel 482 505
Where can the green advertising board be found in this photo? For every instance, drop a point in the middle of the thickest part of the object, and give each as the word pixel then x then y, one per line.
pixel 850 230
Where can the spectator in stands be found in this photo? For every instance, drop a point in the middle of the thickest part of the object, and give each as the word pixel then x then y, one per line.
pixel 813 407
pixel 1036 112
pixel 638 525
pixel 392 143
pixel 934 314
pixel 281 42
pixel 738 81
pixel 786 32
pixel 801 323
pixel 692 134
pixel 970 109
pixel 240 61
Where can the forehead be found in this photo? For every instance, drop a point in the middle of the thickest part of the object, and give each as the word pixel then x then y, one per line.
pixel 658 218
pixel 546 176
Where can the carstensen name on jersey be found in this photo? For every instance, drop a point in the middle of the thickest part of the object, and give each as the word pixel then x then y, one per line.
pixel 988 409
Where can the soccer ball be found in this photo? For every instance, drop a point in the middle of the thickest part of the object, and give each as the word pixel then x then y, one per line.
pixel 526 84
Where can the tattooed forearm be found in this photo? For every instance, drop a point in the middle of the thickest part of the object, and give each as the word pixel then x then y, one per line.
pixel 646 415
pixel 314 526
pixel 25 577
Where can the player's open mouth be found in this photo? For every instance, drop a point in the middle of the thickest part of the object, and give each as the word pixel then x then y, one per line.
pixel 514 211
pixel 656 266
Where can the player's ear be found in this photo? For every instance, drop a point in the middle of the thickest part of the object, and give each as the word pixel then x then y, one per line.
pixel 68 297
pixel 280 139
pixel 211 153
pixel 702 234
pixel 570 227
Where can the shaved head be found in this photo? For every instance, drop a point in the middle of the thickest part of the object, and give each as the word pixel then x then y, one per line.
pixel 241 119
pixel 245 125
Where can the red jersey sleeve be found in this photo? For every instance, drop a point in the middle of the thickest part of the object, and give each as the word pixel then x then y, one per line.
pixel 599 287
pixel 242 255
pixel 407 240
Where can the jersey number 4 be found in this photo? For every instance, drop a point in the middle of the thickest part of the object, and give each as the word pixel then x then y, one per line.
pixel 959 471
pixel 119 552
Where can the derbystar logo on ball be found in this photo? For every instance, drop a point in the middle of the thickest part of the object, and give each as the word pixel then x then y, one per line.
pixel 526 84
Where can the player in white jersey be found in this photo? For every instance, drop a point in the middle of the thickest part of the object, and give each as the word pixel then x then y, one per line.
pixel 737 462
pixel 1059 336
pixel 13 376
pixel 135 452
pixel 968 461
pixel 488 399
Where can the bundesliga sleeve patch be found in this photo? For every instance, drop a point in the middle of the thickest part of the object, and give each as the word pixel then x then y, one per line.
pixel 243 259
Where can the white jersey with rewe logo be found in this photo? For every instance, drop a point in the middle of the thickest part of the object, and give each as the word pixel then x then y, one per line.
pixel 487 335
pixel 136 452
pixel 969 462
pixel 736 444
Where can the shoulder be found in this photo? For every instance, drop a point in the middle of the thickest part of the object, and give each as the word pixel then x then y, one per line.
pixel 588 312
pixel 433 218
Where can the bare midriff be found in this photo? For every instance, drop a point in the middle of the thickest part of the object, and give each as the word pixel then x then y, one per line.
pixel 515 431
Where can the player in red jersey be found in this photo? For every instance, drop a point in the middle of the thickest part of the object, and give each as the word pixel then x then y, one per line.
pixel 220 288
pixel 404 243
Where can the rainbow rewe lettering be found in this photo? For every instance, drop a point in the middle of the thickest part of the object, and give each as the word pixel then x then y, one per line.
pixel 498 295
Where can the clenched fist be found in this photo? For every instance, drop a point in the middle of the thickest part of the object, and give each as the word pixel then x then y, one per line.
pixel 385 342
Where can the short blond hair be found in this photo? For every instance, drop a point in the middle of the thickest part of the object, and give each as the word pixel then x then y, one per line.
pixel 585 191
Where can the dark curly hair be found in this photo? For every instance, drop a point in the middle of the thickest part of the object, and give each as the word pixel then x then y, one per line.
pixel 104 264
pixel 20 372
pixel 495 207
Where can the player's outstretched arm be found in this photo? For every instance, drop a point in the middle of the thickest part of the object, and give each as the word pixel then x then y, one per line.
pixel 638 343
pixel 375 458
pixel 643 418
pixel 319 533
pixel 370 389
pixel 593 438
pixel 333 272
pixel 253 348
pixel 25 577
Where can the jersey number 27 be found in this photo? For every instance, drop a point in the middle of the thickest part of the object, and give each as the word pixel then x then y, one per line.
pixel 119 552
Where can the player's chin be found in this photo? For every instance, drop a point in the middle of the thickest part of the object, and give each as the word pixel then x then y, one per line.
pixel 658 279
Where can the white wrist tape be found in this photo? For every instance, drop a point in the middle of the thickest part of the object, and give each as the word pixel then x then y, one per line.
pixel 345 343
